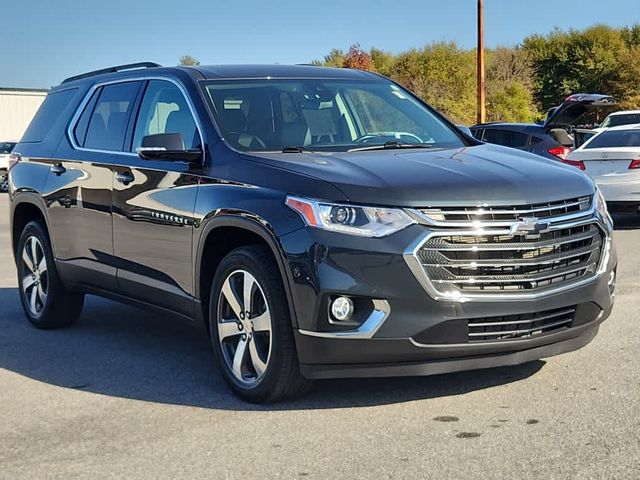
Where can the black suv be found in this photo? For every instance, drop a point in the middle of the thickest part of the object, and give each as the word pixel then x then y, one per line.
pixel 321 222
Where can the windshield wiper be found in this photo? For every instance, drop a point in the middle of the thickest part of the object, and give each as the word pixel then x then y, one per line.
pixel 296 149
pixel 390 145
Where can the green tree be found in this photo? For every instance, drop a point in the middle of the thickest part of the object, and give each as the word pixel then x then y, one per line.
pixel 510 81
pixel 443 75
pixel 522 80
pixel 188 61
pixel 626 87
pixel 382 61
pixel 574 61
pixel 511 103
pixel 335 58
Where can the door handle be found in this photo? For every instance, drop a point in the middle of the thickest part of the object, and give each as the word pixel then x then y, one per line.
pixel 125 178
pixel 58 169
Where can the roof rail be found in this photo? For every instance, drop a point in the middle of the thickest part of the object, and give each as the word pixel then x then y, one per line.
pixel 117 68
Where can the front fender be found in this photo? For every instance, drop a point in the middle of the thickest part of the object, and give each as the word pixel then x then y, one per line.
pixel 254 224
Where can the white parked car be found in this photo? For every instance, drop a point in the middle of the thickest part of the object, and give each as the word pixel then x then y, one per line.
pixel 5 151
pixel 615 119
pixel 612 159
pixel 619 119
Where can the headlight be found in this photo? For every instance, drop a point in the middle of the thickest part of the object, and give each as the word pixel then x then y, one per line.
pixel 350 219
pixel 601 204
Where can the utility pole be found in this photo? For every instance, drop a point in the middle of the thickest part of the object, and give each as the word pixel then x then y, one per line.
pixel 481 85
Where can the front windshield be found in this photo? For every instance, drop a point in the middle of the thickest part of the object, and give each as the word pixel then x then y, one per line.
pixel 323 115
pixel 6 147
pixel 622 119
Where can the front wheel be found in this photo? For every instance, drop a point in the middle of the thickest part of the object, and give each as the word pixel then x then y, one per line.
pixel 251 328
pixel 46 303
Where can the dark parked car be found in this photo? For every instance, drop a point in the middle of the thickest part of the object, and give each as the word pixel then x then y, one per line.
pixel 553 138
pixel 321 222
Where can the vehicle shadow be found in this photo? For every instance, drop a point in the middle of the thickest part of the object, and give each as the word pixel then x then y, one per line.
pixel 626 222
pixel 121 351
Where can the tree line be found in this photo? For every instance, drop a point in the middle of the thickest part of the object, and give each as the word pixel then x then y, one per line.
pixel 523 81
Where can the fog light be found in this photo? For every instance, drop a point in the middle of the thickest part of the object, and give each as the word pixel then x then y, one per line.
pixel 342 308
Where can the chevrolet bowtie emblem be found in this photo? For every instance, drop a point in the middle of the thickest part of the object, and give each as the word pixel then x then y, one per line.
pixel 529 226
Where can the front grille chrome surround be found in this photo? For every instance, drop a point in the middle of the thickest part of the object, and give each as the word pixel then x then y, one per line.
pixel 526 257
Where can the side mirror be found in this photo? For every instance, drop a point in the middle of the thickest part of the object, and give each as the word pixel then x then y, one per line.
pixel 167 146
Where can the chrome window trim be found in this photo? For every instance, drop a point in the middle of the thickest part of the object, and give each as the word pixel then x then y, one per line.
pixel 413 261
pixel 368 329
pixel 76 116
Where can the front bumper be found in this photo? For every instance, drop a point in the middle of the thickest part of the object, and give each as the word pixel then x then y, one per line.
pixel 401 357
pixel 417 335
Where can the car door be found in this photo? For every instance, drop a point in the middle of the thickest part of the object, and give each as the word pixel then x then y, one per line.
pixel 78 189
pixel 153 205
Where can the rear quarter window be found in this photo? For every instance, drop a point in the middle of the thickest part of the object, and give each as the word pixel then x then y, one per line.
pixel 54 107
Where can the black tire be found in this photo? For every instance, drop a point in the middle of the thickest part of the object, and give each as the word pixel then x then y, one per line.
pixel 60 308
pixel 282 378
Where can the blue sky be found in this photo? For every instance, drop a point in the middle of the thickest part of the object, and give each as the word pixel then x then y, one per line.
pixel 42 42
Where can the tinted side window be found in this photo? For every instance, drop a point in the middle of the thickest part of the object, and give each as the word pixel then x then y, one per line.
pixel 110 117
pixel 50 110
pixel 506 138
pixel 80 131
pixel 164 110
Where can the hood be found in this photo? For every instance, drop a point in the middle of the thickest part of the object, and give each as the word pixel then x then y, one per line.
pixel 574 107
pixel 421 178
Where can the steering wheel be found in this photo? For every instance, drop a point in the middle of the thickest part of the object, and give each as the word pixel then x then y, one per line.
pixel 391 135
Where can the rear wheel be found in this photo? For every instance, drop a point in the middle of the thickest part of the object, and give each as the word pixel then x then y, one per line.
pixel 45 301
pixel 251 328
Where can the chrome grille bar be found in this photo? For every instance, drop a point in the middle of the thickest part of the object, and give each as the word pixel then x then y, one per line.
pixel 512 278
pixel 512 327
pixel 570 311
pixel 502 333
pixel 438 244
pixel 547 259
pixel 502 216
pixel 495 211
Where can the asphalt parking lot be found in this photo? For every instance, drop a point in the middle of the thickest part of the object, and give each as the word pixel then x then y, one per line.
pixel 131 394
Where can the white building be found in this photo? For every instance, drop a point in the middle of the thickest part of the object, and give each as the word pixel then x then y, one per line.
pixel 17 108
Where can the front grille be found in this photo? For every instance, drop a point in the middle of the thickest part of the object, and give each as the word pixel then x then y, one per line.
pixel 509 327
pixel 489 258
pixel 509 213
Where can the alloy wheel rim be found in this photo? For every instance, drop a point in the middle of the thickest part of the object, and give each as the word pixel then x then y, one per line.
pixel 4 182
pixel 244 327
pixel 35 276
